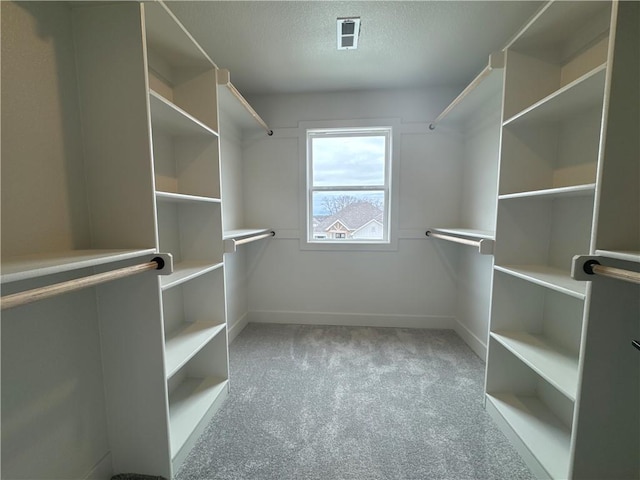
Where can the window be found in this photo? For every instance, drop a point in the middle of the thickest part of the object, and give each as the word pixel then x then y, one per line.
pixel 348 185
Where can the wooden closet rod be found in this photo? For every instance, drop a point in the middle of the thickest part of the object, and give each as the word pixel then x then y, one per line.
pixel 254 238
pixel 451 238
pixel 593 267
pixel 28 296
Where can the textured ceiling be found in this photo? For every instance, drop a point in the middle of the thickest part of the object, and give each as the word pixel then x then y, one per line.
pixel 290 46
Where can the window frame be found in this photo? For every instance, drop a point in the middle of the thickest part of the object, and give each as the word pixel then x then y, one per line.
pixel 376 127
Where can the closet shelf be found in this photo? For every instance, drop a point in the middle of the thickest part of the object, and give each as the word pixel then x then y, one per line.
pixel 187 270
pixel 485 85
pixel 188 404
pixel 483 239
pixel 549 277
pixel 233 238
pixel 26 267
pixel 555 365
pixel 168 118
pixel 541 432
pixel 232 102
pixel 184 198
pixel 560 192
pixel 626 255
pixel 580 95
pixel 182 344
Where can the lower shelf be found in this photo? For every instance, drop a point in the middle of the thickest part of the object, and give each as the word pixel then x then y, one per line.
pixel 189 403
pixel 536 432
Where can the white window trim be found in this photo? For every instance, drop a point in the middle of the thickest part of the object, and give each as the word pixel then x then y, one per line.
pixel 393 168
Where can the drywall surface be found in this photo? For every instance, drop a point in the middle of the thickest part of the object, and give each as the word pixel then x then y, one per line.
pixel 412 285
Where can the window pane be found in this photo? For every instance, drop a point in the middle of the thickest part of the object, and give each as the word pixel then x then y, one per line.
pixel 348 215
pixel 348 160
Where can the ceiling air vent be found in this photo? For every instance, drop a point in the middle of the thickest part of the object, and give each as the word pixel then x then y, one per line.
pixel 348 33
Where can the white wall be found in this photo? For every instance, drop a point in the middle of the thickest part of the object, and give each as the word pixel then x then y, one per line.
pixel 414 285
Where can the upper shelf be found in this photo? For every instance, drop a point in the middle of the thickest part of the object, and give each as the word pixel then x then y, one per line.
pixel 233 103
pixel 582 94
pixel 169 118
pixel 487 84
pixel 33 266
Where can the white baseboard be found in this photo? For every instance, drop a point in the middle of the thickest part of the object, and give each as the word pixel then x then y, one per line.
pixel 478 346
pixel 352 319
pixel 237 327
pixel 103 470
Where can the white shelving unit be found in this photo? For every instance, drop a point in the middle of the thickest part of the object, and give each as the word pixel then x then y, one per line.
pixel 141 143
pixel 475 116
pixel 560 86
pixel 240 125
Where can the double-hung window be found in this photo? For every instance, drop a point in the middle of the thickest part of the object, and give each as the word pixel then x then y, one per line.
pixel 348 185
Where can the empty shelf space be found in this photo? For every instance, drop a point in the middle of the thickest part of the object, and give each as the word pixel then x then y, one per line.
pixel 541 432
pixel 25 267
pixel 185 342
pixel 555 365
pixel 581 94
pixel 183 198
pixel 550 193
pixel 188 404
pixel 185 271
pixel 169 118
pixel 549 277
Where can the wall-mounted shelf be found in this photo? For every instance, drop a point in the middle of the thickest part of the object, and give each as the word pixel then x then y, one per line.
pixel 233 103
pixel 183 198
pixel 482 239
pixel 546 276
pixel 38 265
pixel 561 192
pixel 167 117
pixel 233 238
pixel 187 270
pixel 485 85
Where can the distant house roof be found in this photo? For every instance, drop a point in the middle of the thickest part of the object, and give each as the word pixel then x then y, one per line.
pixel 354 216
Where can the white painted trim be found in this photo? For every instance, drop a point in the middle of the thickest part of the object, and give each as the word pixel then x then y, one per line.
pixel 352 319
pixel 478 346
pixel 103 470
pixel 237 326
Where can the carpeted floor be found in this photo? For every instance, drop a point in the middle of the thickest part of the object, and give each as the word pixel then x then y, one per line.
pixel 328 403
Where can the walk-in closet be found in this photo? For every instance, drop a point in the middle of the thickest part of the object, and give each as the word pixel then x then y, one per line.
pixel 320 240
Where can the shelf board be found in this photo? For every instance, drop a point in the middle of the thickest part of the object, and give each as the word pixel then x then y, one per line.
pixel 184 198
pixel 188 404
pixel 549 277
pixel 26 267
pixel 236 106
pixel 186 341
pixel 560 192
pixel 555 365
pixel 486 85
pixel 245 232
pixel 541 432
pixel 470 233
pixel 187 270
pixel 579 95
pixel 168 118
pixel 627 255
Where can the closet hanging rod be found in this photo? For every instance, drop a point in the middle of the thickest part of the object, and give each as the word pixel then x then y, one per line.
pixel 485 247
pixel 593 267
pixel 496 60
pixel 254 238
pixel 28 296
pixel 224 78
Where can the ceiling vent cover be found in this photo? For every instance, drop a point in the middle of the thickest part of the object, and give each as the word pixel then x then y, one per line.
pixel 348 33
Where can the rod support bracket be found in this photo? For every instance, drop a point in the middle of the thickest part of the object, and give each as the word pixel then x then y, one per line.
pixel 164 261
pixel 582 267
